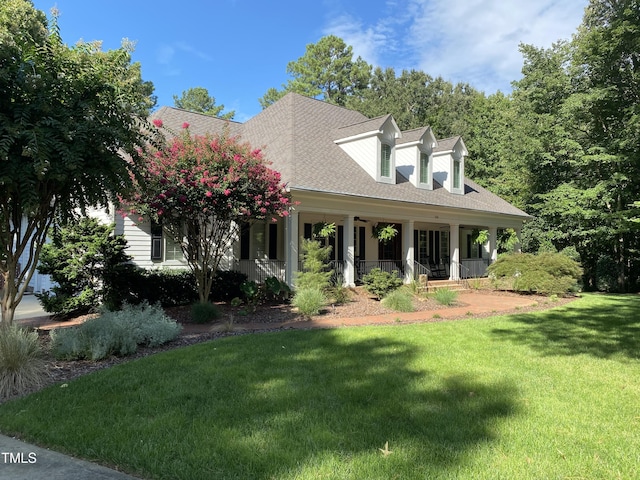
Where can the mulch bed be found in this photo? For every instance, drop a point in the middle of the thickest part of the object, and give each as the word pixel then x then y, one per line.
pixel 266 317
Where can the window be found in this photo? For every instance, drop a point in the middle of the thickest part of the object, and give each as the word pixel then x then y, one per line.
pixel 456 174
pixel 385 161
pixel 273 241
pixel 444 246
pixel 163 248
pixel 424 168
pixel 172 250
pixel 156 241
pixel 245 241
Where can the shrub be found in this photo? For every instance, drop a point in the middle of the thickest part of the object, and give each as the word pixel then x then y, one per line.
pixel 315 266
pixel 114 333
pixel 226 285
pixel 167 287
pixel 309 301
pixel 381 283
pixel 85 260
pixel 339 294
pixel 445 296
pixel 204 312
pixel 275 289
pixel 399 300
pixel 546 273
pixel 21 364
pixel 252 294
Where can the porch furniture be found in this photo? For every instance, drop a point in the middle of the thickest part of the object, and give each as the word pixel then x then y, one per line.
pixel 437 270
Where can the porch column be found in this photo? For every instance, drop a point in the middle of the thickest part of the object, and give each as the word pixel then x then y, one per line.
pixel 493 244
pixel 454 247
pixel 408 249
pixel 517 248
pixel 349 252
pixel 291 239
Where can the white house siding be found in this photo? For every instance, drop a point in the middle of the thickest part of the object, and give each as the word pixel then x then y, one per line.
pixel 365 152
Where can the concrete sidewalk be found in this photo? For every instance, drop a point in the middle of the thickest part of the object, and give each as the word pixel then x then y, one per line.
pixel 29 307
pixel 22 461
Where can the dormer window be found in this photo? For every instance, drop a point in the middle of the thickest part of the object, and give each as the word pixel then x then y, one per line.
pixel 424 168
pixel 456 174
pixel 385 160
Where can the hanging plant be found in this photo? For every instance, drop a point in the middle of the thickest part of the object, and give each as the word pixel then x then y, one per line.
pixel 480 237
pixel 384 231
pixel 324 230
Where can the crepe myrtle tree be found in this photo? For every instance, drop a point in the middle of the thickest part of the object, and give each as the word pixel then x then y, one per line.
pixel 200 189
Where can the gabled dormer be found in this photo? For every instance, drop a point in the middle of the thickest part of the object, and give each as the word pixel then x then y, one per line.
pixel 448 164
pixel 414 156
pixel 372 144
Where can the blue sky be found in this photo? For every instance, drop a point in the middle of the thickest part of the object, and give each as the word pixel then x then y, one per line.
pixel 237 49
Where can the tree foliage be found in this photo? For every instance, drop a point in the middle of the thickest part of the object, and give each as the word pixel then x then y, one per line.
pixel 326 69
pixel 584 99
pixel 71 119
pixel 198 100
pixel 201 188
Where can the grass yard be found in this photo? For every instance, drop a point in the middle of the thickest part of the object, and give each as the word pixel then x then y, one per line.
pixel 544 395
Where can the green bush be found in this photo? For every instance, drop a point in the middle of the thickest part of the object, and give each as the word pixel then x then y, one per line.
pixel 21 364
pixel 276 290
pixel 309 301
pixel 445 296
pixel 399 300
pixel 85 260
pixel 114 333
pixel 226 285
pixel 315 266
pixel 167 287
pixel 204 312
pixel 381 283
pixel 546 273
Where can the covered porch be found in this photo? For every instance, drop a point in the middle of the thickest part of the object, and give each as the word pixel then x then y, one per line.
pixel 433 247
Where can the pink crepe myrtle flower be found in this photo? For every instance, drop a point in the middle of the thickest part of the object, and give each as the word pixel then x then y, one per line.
pixel 227 192
pixel 208 194
pixel 185 125
pixel 157 122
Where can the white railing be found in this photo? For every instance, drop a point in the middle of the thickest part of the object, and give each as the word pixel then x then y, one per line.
pixel 363 267
pixel 475 267
pixel 259 270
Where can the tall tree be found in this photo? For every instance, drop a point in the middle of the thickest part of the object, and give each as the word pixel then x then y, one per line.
pixel 326 69
pixel 71 124
pixel 200 189
pixel 198 100
pixel 585 98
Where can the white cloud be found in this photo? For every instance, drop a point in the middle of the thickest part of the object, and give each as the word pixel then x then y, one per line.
pixel 168 55
pixel 474 41
pixel 368 42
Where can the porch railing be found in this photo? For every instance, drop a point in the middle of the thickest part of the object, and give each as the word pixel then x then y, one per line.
pixel 420 269
pixel 463 273
pixel 476 267
pixel 364 267
pixel 259 270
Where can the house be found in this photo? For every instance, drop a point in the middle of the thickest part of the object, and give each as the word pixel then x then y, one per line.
pixel 358 173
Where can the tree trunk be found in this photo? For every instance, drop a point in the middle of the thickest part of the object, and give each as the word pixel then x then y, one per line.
pixel 8 298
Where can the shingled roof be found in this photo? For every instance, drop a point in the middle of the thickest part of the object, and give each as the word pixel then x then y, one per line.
pixel 297 135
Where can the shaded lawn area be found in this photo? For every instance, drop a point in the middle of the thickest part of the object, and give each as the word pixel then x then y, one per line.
pixel 550 394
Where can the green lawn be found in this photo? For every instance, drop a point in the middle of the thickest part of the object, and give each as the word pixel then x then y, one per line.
pixel 553 394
